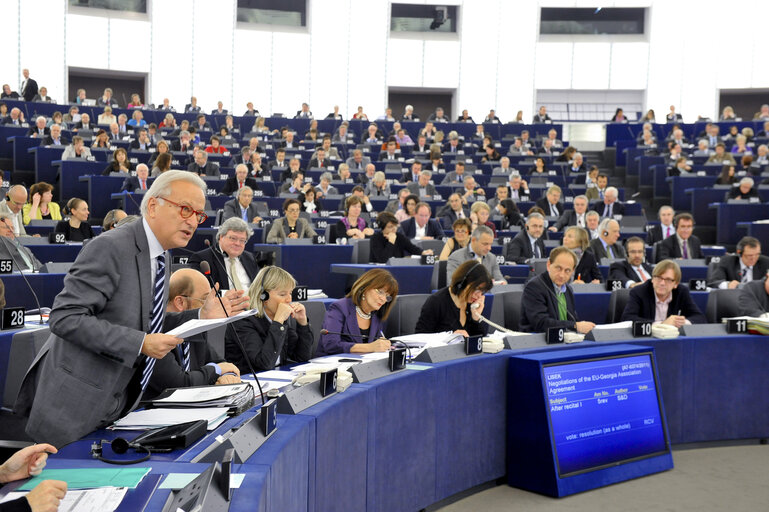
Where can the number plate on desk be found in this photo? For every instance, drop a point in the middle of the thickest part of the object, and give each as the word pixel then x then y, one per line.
pixel 6 266
pixel 555 335
pixel 328 382
pixel 13 318
pixel 473 345
pixel 299 294
pixel 698 285
pixel 428 259
pixel 269 417
pixel 614 284
pixel 397 359
pixel 180 260
pixel 641 329
pixel 736 326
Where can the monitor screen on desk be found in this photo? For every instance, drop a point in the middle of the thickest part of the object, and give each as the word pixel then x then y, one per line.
pixel 603 412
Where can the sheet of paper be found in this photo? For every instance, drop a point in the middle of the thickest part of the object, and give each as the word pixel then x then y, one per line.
pixel 275 375
pixel 162 417
pixel 202 394
pixel 105 499
pixel 267 385
pixel 89 478
pixel 628 324
pixel 180 480
pixel 196 326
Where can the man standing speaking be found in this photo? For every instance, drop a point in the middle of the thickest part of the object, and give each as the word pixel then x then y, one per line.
pixel 105 324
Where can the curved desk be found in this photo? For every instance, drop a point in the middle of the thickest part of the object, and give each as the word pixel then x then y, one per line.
pixel 413 438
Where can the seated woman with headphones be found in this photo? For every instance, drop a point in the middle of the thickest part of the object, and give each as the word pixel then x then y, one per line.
pixel 458 307
pixel 278 332
pixel 76 228
pixel 356 323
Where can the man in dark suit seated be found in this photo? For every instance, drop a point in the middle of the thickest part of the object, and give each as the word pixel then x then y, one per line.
pixel 550 204
pixel 519 189
pixel 662 299
pixel 183 143
pixel 10 249
pixel 231 265
pixel 754 298
pixel 191 107
pixel 739 269
pixel 357 161
pixel 453 210
pixel 289 141
pixel 634 270
pixel 609 207
pixel 528 243
pixel 202 167
pixel 84 123
pixel 139 182
pixel 413 174
pixel 320 161
pixel 606 246
pixel 55 138
pixel 142 141
pixel 242 207
pixel 15 118
pixel 548 300
pixel 194 362
pixel 664 229
pixel 391 153
pixel 40 130
pixel 201 124
pixel 240 180
pixel 744 190
pixel 575 217
pixel 421 226
pixel 422 188
pixel 455 176
pixel 684 245
pixel 454 145
pixel 541 116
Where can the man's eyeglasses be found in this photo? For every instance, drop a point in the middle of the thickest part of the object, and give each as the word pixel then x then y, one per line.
pixel 666 280
pixel 193 298
pixel 187 211
pixel 234 240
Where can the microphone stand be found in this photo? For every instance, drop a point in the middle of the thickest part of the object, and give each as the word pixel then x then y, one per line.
pixel 10 248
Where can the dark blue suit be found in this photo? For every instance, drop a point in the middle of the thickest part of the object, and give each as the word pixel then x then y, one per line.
pixel 409 228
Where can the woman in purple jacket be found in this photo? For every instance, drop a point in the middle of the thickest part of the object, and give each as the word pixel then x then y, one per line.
pixel 360 316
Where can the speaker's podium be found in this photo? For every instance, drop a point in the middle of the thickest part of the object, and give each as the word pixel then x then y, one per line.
pixel 584 418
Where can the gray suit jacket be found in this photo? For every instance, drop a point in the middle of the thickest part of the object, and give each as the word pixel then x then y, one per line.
pixel 429 189
pixel 78 382
pixel 462 255
pixel 364 161
pixel 232 209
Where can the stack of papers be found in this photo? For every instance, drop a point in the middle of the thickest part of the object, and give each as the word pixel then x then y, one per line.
pixel 756 325
pixel 162 417
pixel 196 326
pixel 436 339
pixel 235 395
pixel 89 478
pixel 316 294
pixel 106 499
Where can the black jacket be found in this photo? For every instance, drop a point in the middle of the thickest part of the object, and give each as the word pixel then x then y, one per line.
pixel 382 250
pixel 623 271
pixel 669 248
pixel 641 304
pixel 729 269
pixel 519 248
pixel 539 309
pixel 215 259
pixel 169 372
pixel 264 340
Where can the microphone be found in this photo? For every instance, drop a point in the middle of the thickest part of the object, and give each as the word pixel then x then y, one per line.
pixel 323 332
pixel 34 295
pixel 206 269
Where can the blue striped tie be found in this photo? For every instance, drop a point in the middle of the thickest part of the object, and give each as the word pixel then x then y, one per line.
pixel 186 355
pixel 156 323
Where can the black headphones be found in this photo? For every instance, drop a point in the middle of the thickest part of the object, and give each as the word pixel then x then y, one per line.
pixel 265 295
pixel 458 287
pixel 605 233
pixel 119 446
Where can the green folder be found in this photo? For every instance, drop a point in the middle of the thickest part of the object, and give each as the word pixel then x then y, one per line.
pixel 89 478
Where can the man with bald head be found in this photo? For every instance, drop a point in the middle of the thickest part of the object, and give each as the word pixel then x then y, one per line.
pixel 191 363
pixel 240 180
pixel 140 182
pixel 12 205
pixel 609 207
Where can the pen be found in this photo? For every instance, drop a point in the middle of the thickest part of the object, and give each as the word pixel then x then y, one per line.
pixel 679 312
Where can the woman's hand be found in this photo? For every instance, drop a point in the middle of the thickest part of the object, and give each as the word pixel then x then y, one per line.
pixel 300 313
pixel 391 237
pixel 36 199
pixel 476 308
pixel 367 232
pixel 380 345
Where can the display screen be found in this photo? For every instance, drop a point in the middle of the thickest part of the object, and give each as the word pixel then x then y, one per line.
pixel 603 412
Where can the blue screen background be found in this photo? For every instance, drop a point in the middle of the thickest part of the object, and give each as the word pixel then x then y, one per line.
pixel 603 411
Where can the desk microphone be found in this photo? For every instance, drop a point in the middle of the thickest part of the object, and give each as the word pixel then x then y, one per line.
pixel 34 295
pixel 205 268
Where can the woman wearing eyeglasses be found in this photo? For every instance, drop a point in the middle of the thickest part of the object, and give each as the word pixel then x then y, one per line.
pixel 356 323
pixel 279 332
pixel 290 226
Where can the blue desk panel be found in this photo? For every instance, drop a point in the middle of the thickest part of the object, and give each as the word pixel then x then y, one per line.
pixel 728 215
pixel 310 264
pixel 47 287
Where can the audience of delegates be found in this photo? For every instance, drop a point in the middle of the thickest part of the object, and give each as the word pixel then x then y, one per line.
pixel 278 333
pixel 548 299
pixel 458 307
pixel 663 299
pixel 41 205
pixel 356 323
pixel 76 228
pixel 291 225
